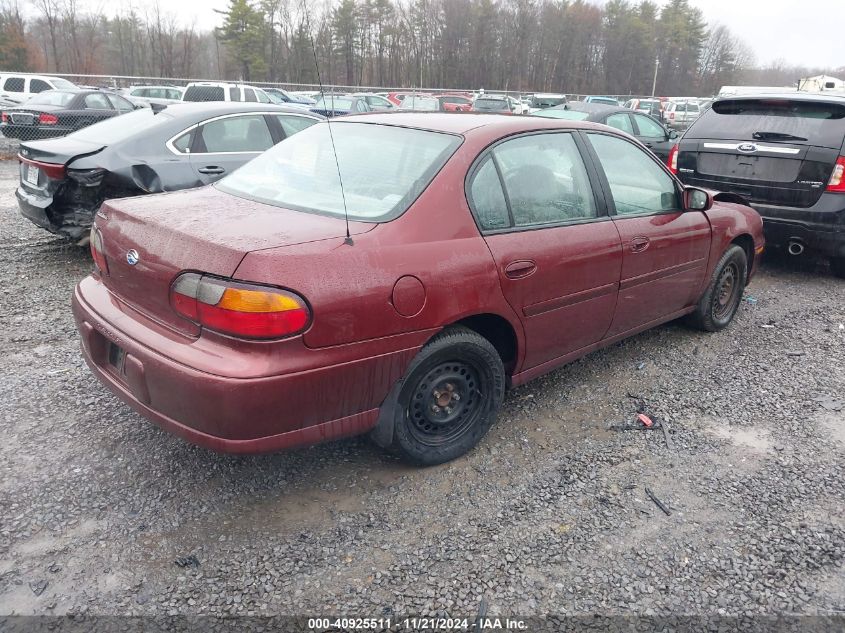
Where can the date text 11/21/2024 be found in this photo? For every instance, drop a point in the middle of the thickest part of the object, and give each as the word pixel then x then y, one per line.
pixel 418 624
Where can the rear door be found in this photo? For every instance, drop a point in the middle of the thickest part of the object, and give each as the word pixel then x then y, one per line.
pixel 557 253
pixel 771 151
pixel 221 145
pixel 665 249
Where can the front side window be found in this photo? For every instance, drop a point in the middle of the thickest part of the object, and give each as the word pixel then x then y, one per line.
pixel 384 169
pixel 292 124
pixel 237 134
pixel 235 94
pixel 37 85
pixel 249 95
pixel 638 184
pixel 121 104
pixel 262 96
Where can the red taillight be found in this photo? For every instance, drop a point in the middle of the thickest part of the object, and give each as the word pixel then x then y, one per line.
pixel 48 119
pixel 4 118
pixel 51 170
pixel 240 309
pixel 836 184
pixel 673 159
pixel 671 115
pixel 98 253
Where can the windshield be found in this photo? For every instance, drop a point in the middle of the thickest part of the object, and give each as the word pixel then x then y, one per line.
pixel 490 105
pixel 58 82
pixel 116 129
pixel 384 169
pixel 546 101
pixel 52 97
pixel 334 103
pixel 568 115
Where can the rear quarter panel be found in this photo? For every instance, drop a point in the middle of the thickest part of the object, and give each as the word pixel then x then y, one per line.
pixel 729 221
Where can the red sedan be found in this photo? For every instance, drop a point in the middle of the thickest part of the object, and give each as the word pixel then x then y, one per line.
pixel 480 252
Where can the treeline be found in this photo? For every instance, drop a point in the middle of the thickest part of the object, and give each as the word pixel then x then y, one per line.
pixel 573 46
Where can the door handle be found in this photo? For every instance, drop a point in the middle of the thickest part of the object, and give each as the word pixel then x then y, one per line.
pixel 639 244
pixel 520 269
pixel 211 169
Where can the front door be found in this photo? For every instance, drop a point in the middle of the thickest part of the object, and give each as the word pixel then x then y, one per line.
pixel 665 249
pixel 557 253
pixel 224 144
pixel 653 135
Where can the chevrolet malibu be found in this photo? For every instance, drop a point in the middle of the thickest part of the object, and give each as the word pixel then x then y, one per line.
pixel 395 274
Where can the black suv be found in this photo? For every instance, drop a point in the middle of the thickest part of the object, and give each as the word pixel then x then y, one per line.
pixel 783 153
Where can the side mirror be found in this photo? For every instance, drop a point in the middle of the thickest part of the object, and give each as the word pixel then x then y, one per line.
pixel 673 134
pixel 697 199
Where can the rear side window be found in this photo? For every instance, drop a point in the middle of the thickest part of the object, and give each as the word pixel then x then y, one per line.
pixel 488 199
pixel 237 134
pixel 205 93
pixel 774 119
pixel 37 85
pixel 14 84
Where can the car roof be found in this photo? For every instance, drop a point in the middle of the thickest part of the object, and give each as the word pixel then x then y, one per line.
pixel 464 123
pixel 214 108
pixel 591 107
pixel 795 96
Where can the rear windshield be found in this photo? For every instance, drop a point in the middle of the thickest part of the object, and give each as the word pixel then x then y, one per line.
pixel 204 93
pixel 491 105
pixel 420 103
pixel 568 115
pixel 52 97
pixel 607 100
pixel 120 127
pixel 764 119
pixel 384 169
pixel 334 103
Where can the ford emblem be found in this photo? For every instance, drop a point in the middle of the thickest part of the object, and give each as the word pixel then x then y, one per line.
pixel 132 257
pixel 747 148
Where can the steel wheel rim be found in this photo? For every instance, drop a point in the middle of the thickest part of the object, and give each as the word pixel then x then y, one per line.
pixel 445 404
pixel 726 293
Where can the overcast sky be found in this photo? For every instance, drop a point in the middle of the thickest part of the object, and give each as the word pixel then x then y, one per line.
pixel 801 32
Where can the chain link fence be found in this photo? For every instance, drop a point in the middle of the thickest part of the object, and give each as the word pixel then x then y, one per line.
pixel 36 107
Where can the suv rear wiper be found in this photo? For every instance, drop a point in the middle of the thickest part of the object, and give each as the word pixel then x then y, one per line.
pixel 776 136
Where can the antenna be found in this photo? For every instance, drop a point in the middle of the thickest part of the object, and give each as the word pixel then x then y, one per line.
pixel 348 239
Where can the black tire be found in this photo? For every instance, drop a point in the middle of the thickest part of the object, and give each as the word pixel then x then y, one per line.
pixel 837 266
pixel 720 300
pixel 449 397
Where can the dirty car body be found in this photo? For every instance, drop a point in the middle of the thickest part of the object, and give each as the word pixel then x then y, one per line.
pixel 480 252
pixel 64 181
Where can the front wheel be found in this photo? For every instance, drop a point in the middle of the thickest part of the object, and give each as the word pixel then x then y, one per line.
pixel 720 300
pixel 449 398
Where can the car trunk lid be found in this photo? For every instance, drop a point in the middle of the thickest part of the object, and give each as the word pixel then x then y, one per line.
pixel 770 150
pixel 203 230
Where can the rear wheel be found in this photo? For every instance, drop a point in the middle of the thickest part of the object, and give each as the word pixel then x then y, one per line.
pixel 837 266
pixel 449 397
pixel 720 300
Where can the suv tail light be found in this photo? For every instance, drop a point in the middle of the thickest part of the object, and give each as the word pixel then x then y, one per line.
pixel 4 118
pixel 98 253
pixel 672 162
pixel 836 184
pixel 240 309
pixel 48 119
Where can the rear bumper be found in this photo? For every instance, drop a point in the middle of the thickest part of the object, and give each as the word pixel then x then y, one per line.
pixel 34 208
pixel 73 223
pixel 306 406
pixel 820 228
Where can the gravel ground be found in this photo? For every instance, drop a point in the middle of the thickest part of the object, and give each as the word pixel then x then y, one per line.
pixel 548 515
